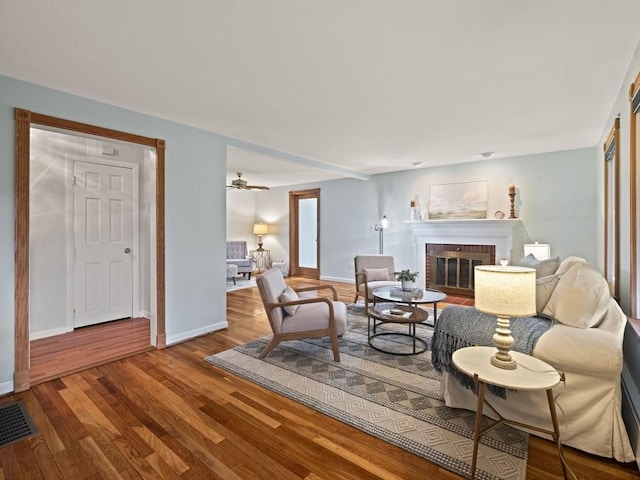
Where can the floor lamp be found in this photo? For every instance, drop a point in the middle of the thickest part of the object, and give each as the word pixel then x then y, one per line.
pixel 379 227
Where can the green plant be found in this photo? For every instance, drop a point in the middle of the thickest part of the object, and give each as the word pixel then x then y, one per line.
pixel 407 275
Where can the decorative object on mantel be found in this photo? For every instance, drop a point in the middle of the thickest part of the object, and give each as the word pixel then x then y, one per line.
pixel 512 198
pixel 407 278
pixel 379 227
pixel 499 214
pixel 416 213
pixel 462 200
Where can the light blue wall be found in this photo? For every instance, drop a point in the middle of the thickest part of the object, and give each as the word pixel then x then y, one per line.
pixel 194 209
pixel 556 201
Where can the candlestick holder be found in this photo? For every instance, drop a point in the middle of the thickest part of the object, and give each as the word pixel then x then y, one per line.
pixel 512 197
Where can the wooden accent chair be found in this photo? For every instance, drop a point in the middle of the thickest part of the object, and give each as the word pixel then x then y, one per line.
pixel 292 317
pixel 373 271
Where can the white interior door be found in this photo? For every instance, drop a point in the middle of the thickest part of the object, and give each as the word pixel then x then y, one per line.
pixel 103 240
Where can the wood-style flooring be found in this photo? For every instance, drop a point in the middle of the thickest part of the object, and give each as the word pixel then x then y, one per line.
pixel 169 414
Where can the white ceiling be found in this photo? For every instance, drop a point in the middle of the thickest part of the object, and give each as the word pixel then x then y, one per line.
pixel 354 87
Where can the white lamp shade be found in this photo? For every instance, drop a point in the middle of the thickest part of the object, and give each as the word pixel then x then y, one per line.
pixel 541 251
pixel 505 291
pixel 260 229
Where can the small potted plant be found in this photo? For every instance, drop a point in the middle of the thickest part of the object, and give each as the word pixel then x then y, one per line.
pixel 407 278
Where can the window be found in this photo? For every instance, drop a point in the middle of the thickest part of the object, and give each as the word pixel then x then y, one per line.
pixel 612 208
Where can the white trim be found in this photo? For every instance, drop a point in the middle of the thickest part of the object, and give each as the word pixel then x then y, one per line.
pixel 151 159
pixel 47 333
pixel 338 279
pixel 6 387
pixel 181 337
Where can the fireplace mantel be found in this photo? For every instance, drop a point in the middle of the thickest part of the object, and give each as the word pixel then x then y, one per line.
pixel 506 235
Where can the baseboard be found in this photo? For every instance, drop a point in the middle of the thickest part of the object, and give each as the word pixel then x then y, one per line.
pixel 47 333
pixel 6 387
pixel 337 279
pixel 630 414
pixel 183 336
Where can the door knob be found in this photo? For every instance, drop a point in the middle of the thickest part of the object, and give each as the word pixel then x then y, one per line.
pixel 127 250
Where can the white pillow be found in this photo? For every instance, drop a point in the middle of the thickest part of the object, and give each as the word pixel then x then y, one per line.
pixel 567 263
pixel 289 295
pixel 376 274
pixel 544 288
pixel 581 297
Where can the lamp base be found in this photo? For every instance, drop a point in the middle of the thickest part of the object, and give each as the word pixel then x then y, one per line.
pixel 504 341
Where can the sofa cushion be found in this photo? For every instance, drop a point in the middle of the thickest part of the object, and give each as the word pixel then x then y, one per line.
pixel 377 274
pixel 543 268
pixel 290 295
pixel 567 263
pixel 581 297
pixel 544 288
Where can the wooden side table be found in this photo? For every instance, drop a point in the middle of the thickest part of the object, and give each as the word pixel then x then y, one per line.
pixel 531 374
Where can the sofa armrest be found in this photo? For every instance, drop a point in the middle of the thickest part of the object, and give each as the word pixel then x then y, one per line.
pixel 590 351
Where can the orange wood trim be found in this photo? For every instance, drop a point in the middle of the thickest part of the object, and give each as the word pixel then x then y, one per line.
pixel 293 238
pixel 161 339
pixel 614 136
pixel 23 121
pixel 294 196
pixel 633 226
pixel 21 355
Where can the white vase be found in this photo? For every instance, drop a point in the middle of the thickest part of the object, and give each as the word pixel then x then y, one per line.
pixel 407 285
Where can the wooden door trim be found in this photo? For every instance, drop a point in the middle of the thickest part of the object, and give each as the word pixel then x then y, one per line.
pixel 294 196
pixel 634 90
pixel 23 121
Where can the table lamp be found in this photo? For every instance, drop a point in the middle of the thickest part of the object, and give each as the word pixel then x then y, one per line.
pixel 506 292
pixel 260 229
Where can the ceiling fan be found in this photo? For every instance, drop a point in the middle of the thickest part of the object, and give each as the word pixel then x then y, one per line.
pixel 240 184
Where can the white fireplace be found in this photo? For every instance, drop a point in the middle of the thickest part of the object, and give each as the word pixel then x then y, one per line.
pixel 506 235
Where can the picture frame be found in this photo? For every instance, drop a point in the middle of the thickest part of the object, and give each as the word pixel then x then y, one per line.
pixel 460 200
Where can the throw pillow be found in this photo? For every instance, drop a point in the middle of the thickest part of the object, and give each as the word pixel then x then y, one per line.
pixel 289 295
pixel 544 288
pixel 567 263
pixel 376 274
pixel 581 298
pixel 543 268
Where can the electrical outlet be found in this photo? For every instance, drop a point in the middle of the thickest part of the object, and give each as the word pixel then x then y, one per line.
pixel 351 266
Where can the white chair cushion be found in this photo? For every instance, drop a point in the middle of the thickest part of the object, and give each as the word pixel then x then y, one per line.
pixel 315 316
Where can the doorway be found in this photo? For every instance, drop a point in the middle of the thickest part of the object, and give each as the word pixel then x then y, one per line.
pixel 24 120
pixel 304 232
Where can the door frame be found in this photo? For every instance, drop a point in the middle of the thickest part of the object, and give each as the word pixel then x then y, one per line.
pixel 294 196
pixel 23 121
pixel 71 159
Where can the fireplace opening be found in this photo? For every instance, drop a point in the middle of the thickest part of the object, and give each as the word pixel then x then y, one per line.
pixel 450 267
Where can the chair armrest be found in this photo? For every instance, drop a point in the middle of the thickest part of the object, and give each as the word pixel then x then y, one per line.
pixel 319 287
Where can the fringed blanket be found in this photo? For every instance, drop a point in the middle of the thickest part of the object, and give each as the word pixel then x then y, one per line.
pixel 459 327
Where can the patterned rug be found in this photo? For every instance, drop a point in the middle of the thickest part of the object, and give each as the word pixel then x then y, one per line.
pixel 395 398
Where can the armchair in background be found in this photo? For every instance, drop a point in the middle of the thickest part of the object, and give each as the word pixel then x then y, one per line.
pixel 237 254
pixel 373 271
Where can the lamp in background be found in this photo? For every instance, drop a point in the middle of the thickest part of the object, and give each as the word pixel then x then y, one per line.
pixel 379 227
pixel 260 229
pixel 541 251
pixel 505 292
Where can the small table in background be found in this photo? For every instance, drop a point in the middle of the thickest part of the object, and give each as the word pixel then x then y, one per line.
pixel 531 374
pixel 262 259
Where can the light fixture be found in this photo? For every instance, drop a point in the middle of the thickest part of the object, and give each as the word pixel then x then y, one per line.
pixel 417 164
pixel 506 292
pixel 541 251
pixel 379 227
pixel 260 229
pixel 487 154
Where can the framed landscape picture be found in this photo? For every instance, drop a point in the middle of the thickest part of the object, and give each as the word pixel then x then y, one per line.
pixel 458 200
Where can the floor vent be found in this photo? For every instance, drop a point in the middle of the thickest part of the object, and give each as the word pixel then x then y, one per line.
pixel 15 424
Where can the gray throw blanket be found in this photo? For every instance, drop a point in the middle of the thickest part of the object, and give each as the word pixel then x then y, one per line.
pixel 459 327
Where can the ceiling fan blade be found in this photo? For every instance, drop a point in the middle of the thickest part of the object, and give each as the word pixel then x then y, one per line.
pixel 256 187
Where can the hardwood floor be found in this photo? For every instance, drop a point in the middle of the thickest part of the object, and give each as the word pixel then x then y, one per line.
pixel 168 414
pixel 86 347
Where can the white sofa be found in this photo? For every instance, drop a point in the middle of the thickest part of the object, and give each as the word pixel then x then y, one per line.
pixel 585 343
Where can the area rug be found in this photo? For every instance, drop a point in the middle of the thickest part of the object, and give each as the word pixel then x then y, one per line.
pixel 241 282
pixel 395 398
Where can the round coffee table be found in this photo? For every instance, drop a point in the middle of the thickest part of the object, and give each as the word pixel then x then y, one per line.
pixel 429 295
pixel 401 314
